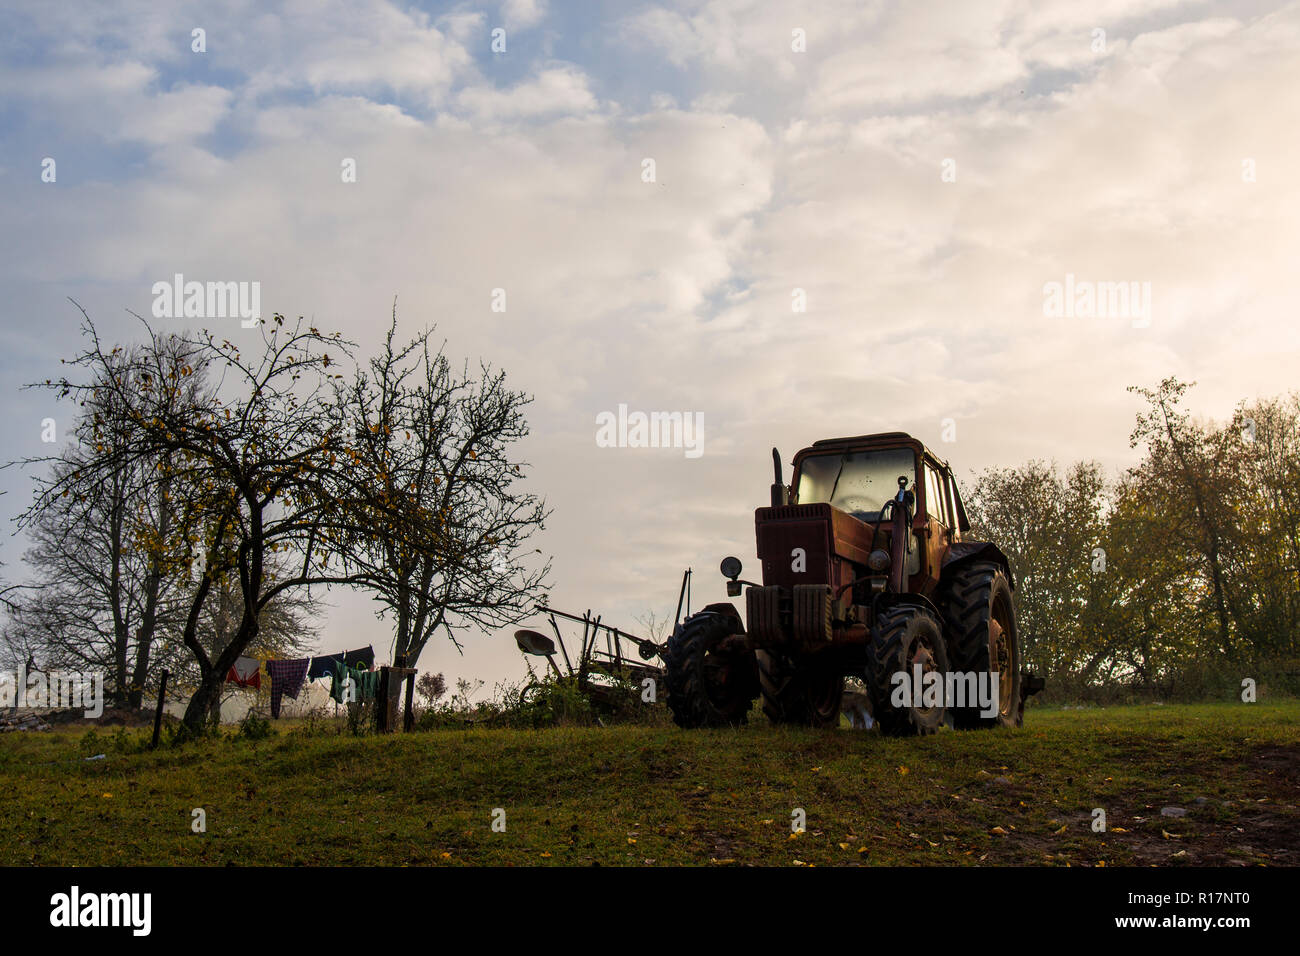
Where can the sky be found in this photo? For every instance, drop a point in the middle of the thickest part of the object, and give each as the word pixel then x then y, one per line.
pixel 788 221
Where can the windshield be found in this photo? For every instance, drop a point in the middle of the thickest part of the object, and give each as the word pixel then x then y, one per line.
pixel 858 482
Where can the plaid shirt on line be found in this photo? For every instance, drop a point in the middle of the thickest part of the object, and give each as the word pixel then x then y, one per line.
pixel 286 679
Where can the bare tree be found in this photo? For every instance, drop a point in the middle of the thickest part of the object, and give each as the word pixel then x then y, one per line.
pixel 439 443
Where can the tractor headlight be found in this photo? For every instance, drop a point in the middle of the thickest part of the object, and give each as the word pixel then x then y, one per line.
pixel 731 568
pixel 878 560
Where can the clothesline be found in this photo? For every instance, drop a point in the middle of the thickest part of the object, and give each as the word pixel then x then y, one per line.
pixel 288 676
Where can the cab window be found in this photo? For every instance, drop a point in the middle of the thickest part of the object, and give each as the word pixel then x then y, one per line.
pixel 859 482
pixel 936 502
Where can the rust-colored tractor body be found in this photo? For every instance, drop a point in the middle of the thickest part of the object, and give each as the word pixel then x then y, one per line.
pixel 868 571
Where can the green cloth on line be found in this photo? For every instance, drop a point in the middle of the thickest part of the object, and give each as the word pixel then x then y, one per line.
pixel 366 681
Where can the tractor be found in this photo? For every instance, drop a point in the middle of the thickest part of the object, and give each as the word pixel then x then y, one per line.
pixel 868 571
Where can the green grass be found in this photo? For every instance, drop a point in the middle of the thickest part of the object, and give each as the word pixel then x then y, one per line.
pixel 653 795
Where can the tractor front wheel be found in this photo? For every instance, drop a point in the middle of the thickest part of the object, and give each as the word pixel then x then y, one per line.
pixel 712 678
pixel 800 690
pixel 907 637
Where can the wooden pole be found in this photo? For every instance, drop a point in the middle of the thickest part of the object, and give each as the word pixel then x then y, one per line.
pixel 382 701
pixel 157 716
pixel 408 718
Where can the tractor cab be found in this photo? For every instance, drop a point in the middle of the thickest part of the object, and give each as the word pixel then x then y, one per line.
pixel 847 500
pixel 857 475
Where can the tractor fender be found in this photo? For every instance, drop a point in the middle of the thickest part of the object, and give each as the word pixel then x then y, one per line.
pixel 722 607
pixel 962 553
pixel 889 599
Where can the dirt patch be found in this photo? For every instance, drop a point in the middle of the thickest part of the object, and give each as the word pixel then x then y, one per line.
pixel 1260 826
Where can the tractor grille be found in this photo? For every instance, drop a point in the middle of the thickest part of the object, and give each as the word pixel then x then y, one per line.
pixel 793 512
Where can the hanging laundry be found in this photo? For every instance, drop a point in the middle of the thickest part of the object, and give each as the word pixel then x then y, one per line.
pixel 365 655
pixel 246 672
pixel 286 679
pixel 338 678
pixel 367 684
pixel 365 681
pixel 322 667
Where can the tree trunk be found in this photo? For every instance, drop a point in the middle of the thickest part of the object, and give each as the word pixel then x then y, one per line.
pixel 135 699
pixel 206 699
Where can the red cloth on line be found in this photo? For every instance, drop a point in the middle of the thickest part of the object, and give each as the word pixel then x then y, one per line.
pixel 246 672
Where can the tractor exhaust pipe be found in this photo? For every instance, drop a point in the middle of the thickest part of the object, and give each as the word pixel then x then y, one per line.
pixel 778 484
pixel 898 537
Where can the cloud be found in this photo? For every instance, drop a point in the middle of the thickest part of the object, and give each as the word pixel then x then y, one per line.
pixel 818 171
pixel 522 14
pixel 560 89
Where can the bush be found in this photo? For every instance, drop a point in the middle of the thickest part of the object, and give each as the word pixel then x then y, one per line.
pixel 254 727
pixel 121 741
pixel 361 717
pixel 551 701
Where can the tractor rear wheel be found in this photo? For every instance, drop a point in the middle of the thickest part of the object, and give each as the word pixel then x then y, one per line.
pixel 907 636
pixel 800 690
pixel 980 619
pixel 712 681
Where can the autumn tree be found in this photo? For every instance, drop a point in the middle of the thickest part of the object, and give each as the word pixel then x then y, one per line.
pixel 259 451
pixel 446 549
pixel 103 566
pixel 1050 526
pixel 1187 480
pixel 1261 451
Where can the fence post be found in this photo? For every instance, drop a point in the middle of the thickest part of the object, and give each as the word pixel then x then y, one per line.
pixel 157 717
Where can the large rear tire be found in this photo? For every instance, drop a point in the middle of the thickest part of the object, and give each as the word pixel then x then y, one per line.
pixel 907 636
pixel 712 682
pixel 980 620
pixel 804 690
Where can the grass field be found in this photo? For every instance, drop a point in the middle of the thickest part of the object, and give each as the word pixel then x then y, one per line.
pixel 652 795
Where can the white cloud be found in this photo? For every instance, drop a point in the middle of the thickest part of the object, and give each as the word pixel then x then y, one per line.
pixel 554 90
pixel 522 14
pixel 821 173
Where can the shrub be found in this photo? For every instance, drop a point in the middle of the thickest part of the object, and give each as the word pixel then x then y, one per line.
pixel 255 727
